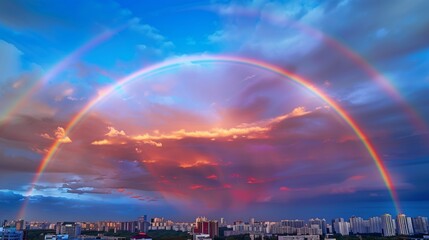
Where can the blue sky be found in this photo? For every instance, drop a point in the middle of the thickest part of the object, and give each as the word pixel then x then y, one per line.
pixel 216 139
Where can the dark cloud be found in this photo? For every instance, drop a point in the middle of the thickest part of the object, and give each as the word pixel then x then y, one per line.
pixel 64 209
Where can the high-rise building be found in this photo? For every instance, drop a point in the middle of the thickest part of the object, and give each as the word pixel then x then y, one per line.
pixel 203 226
pixel 375 225
pixel 222 221
pixel 340 226
pixel 320 222
pixel 71 229
pixel 410 226
pixel 402 225
pixel 356 225
pixel 387 225
pixel 19 225
pixel 420 225
pixel 293 223
pixel 366 226
pixel 329 229
pixel 143 224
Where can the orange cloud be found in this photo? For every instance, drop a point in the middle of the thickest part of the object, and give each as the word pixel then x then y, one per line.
pixel 102 142
pixel 249 130
pixel 198 163
pixel 59 135
pixel 114 133
pixel 245 130
pixel 153 143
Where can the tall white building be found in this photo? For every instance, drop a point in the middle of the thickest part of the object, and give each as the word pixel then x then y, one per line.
pixel 420 225
pixel 357 225
pixel 320 222
pixel 402 225
pixel 340 226
pixel 375 225
pixel 387 225
pixel 222 221
pixel 410 226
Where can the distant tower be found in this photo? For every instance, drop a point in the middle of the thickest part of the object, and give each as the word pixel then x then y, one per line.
pixel 19 225
pixel 222 221
pixel 252 221
pixel 203 226
pixel 375 225
pixel 402 225
pixel 387 225
pixel 70 228
pixel 356 225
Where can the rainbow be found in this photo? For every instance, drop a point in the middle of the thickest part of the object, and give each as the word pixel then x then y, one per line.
pixel 55 70
pixel 174 63
pixel 414 117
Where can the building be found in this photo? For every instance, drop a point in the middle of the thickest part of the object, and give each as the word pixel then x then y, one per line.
pixel 387 225
pixel 320 222
pixel 71 229
pixel 420 225
pixel 302 237
pixel 20 225
pixel 357 225
pixel 10 233
pixel 402 225
pixel 410 226
pixel 203 226
pixel 202 237
pixel 56 237
pixel 340 226
pixel 143 224
pixel 329 229
pixel 293 223
pixel 375 225
pixel 100 237
pixel 222 222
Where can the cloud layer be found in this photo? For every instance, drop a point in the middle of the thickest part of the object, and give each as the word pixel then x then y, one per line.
pixel 213 138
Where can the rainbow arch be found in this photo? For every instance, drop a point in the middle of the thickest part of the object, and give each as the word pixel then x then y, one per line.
pixel 177 62
pixel 413 115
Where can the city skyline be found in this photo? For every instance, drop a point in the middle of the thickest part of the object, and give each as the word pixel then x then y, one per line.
pixel 227 221
pixel 265 109
pixel 385 225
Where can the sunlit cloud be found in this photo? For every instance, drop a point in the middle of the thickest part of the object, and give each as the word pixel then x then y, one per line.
pixel 114 133
pixel 59 135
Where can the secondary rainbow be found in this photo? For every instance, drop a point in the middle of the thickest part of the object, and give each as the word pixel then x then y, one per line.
pixel 174 63
pixel 417 120
pixel 55 70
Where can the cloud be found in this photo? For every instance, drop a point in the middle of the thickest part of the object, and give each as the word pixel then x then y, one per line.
pixel 114 133
pixel 209 136
pixel 11 57
pixel 153 143
pixel 59 135
pixel 145 29
pixel 102 142
pixel 245 130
